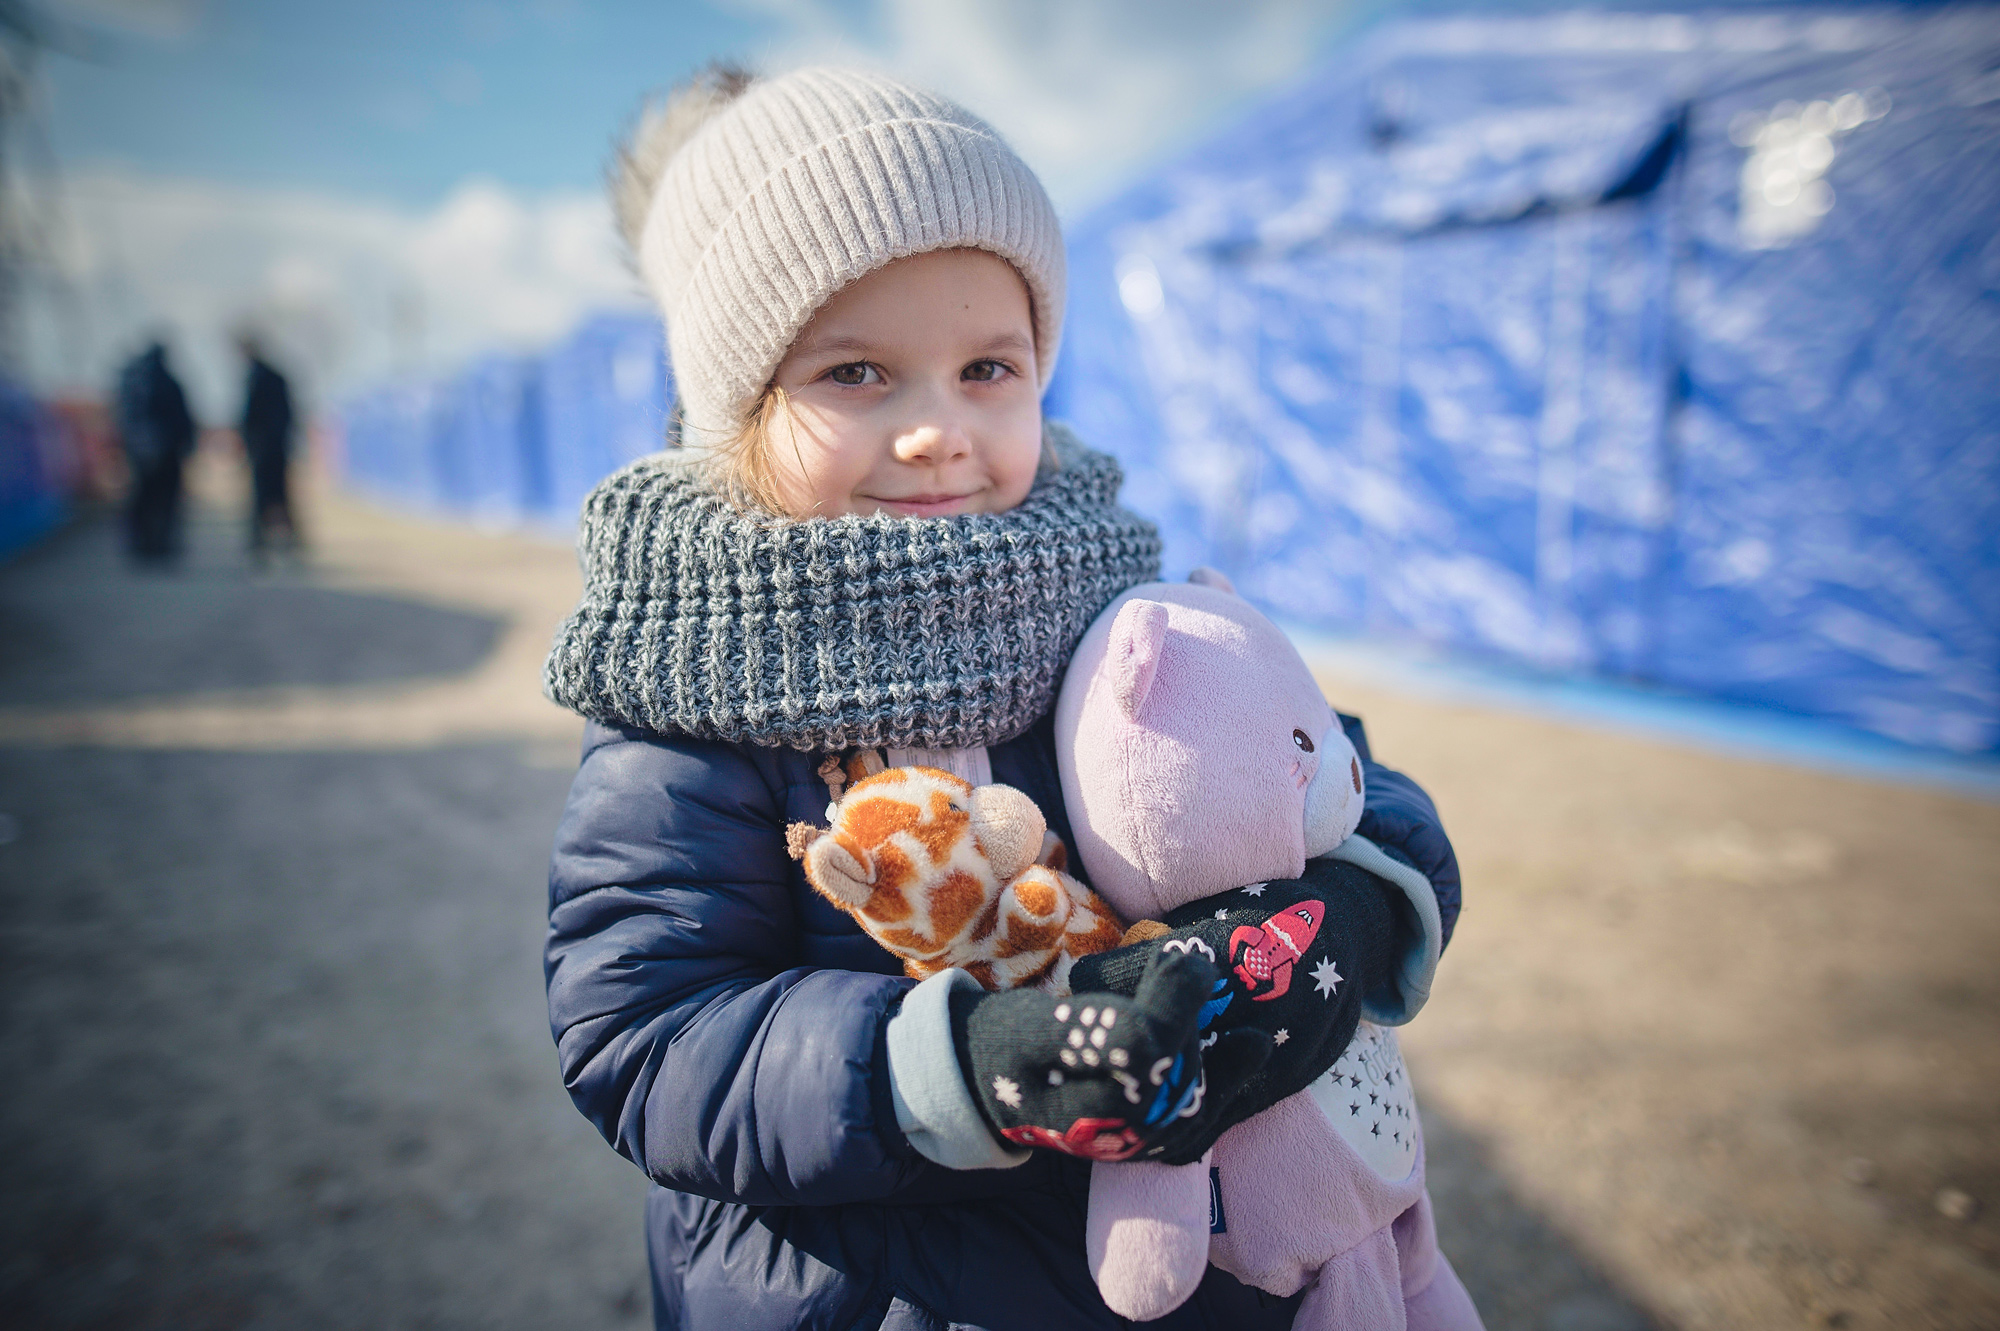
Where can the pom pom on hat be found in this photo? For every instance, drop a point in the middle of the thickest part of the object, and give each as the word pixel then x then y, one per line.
pixel 662 128
pixel 748 204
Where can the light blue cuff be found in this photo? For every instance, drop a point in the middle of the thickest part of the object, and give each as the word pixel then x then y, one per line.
pixel 933 1106
pixel 1419 966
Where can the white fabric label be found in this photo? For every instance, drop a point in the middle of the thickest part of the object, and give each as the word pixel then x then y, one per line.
pixel 972 765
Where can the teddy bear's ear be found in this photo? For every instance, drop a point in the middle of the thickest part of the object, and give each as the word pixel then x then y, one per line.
pixel 1212 577
pixel 1136 637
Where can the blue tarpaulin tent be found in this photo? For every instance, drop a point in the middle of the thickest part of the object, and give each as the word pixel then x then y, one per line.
pixel 495 424
pixel 388 444
pixel 605 395
pixel 34 486
pixel 516 438
pixel 1664 346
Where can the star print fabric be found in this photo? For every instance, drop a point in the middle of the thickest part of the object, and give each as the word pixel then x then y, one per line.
pixel 1366 1096
pixel 1293 960
pixel 1104 1076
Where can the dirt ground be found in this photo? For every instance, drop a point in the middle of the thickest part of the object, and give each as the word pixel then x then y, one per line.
pixel 1714 1045
pixel 1728 1027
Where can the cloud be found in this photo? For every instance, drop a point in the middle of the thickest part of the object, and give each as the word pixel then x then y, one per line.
pixel 356 291
pixel 1088 91
pixel 352 291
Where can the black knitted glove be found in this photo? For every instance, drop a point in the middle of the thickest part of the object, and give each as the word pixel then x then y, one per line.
pixel 1102 1075
pixel 1298 955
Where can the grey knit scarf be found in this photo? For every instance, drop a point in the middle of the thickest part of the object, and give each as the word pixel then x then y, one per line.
pixel 825 634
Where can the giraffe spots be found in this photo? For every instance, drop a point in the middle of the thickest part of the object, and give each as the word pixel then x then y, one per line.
pixel 932 896
pixel 1037 898
pixel 988 921
pixel 873 821
pixel 1024 937
pixel 1039 975
pixel 1093 931
pixel 955 902
pixel 894 873
pixel 944 829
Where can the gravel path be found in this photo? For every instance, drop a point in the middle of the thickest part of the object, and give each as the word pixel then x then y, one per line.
pixel 274 1041
pixel 1712 1038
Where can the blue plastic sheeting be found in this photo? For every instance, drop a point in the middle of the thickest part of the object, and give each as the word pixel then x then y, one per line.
pixel 1742 729
pixel 605 394
pixel 1660 346
pixel 33 491
pixel 497 429
pixel 390 442
pixel 513 438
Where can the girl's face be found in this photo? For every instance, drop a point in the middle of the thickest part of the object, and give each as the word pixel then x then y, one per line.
pixel 912 392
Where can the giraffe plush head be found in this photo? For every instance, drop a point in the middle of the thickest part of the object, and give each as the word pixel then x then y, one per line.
pixel 943 873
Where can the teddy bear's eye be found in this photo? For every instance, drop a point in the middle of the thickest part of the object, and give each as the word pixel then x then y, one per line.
pixel 1304 742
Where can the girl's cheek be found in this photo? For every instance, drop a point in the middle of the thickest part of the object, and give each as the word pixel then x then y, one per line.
pixel 846 444
pixel 828 429
pixel 1022 459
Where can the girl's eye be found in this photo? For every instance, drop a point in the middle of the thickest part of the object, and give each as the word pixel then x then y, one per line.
pixel 1303 741
pixel 984 371
pixel 854 374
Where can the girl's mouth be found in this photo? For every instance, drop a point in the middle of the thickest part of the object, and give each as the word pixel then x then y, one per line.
pixel 925 506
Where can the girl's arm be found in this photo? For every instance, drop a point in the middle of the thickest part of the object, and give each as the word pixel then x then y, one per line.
pixel 1399 817
pixel 687 1030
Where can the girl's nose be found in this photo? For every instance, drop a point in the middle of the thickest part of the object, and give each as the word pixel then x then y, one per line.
pixel 932 444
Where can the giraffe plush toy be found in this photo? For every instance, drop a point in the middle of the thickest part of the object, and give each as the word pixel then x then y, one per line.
pixel 943 873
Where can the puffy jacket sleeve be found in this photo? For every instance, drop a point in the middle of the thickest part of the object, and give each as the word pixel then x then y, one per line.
pixel 1400 818
pixel 687 1030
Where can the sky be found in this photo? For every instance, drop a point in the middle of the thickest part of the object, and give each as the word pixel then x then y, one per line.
pixel 389 189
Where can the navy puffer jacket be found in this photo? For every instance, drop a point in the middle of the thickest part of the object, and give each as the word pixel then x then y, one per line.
pixel 723 1026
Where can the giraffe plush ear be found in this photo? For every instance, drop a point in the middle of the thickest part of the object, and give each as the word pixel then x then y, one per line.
pixel 837 874
pixel 1136 638
pixel 1211 577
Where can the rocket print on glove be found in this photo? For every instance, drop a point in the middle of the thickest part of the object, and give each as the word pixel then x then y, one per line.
pixel 1263 955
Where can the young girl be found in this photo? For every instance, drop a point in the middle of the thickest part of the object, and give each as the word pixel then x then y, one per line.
pixel 869 539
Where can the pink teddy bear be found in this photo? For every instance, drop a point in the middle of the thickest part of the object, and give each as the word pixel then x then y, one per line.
pixel 1199 756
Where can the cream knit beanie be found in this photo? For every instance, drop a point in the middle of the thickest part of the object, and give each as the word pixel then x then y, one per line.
pixel 786 193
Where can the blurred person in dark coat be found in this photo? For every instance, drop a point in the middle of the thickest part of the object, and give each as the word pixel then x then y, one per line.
pixel 158 434
pixel 267 442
